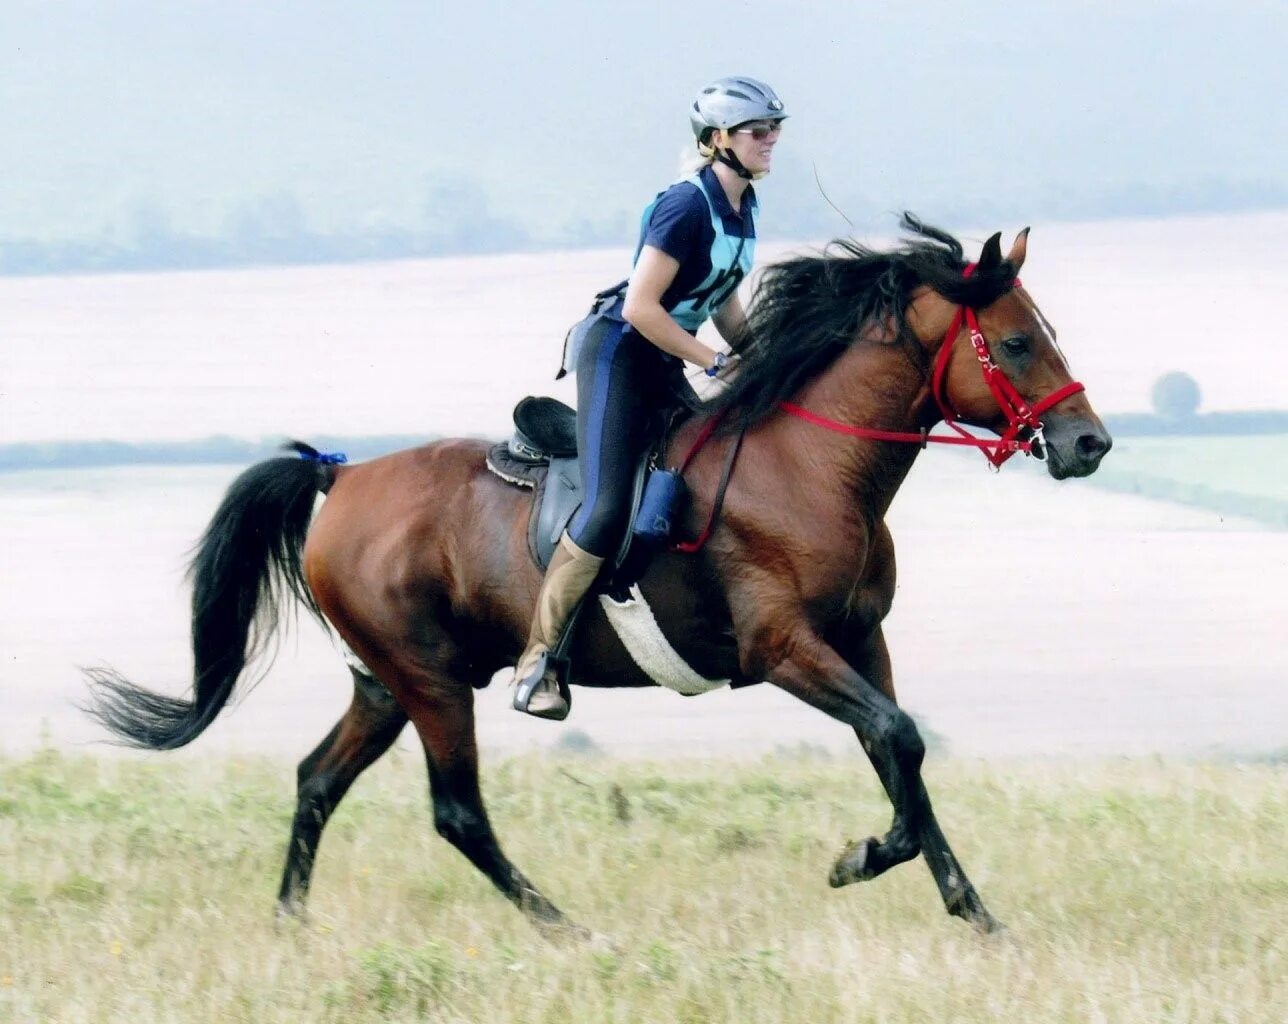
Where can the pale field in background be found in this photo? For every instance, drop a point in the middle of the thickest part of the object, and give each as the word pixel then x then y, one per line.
pixel 1032 617
pixel 447 346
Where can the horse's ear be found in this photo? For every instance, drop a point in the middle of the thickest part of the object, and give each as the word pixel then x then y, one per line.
pixel 991 255
pixel 1018 250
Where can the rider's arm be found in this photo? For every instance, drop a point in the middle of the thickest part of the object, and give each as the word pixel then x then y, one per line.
pixel 731 322
pixel 654 271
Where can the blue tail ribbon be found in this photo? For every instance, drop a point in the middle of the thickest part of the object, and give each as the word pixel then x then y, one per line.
pixel 325 458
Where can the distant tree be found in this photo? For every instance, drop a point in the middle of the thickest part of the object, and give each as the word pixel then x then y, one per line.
pixel 269 228
pixel 459 219
pixel 1176 395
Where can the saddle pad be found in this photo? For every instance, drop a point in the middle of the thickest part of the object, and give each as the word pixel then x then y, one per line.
pixel 642 637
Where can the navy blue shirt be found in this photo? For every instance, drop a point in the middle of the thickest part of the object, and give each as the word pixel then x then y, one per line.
pixel 680 226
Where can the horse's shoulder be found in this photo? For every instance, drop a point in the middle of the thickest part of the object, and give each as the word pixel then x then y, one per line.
pixel 857 580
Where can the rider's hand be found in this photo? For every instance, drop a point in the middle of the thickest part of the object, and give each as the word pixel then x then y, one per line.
pixel 730 367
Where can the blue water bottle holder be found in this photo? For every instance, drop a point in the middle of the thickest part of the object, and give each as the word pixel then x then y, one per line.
pixel 666 497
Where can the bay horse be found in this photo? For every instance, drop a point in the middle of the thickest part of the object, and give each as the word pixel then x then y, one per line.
pixel 419 559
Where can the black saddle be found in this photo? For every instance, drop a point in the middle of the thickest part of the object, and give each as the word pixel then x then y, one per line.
pixel 542 455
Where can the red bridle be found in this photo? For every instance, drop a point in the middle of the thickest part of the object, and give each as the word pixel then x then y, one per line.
pixel 1019 414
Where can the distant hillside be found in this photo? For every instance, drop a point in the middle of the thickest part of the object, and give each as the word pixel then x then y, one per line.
pixel 206 451
pixel 1232 474
pixel 1148 424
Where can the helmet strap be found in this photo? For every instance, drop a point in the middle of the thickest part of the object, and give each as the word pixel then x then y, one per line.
pixel 730 159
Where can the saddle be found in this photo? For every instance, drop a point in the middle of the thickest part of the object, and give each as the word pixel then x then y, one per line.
pixel 541 454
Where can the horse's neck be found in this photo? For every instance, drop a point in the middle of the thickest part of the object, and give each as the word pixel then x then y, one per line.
pixel 870 385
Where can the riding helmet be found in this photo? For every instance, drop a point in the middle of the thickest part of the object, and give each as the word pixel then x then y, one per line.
pixel 728 102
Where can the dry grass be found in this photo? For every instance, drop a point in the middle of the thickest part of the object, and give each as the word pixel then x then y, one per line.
pixel 1135 891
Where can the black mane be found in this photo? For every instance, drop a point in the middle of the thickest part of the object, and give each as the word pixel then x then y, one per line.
pixel 807 310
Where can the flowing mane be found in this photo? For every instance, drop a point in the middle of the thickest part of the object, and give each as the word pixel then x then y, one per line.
pixel 807 310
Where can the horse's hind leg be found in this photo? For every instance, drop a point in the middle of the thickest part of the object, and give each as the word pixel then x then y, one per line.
pixel 366 731
pixel 872 660
pixel 443 713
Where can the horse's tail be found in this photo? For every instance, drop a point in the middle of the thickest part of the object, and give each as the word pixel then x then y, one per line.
pixel 245 569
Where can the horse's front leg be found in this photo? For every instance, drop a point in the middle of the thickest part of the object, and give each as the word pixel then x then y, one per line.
pixel 802 663
pixel 869 656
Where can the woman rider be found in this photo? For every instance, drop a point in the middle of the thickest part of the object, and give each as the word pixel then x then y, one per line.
pixel 696 244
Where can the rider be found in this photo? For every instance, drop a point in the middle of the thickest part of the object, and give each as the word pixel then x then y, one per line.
pixel 696 244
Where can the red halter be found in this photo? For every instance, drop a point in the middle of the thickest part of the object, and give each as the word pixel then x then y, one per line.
pixel 1019 413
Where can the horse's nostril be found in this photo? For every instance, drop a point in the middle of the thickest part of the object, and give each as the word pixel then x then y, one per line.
pixel 1091 446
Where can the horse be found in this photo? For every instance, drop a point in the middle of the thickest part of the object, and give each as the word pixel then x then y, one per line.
pixel 419 559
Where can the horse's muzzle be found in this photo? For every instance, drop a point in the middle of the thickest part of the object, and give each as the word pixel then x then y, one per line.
pixel 1074 447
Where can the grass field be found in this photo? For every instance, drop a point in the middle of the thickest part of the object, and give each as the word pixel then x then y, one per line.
pixel 1134 891
pixel 1241 475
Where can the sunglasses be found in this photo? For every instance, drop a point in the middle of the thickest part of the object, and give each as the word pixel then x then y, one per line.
pixel 760 130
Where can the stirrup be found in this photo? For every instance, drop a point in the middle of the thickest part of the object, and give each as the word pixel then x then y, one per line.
pixel 526 687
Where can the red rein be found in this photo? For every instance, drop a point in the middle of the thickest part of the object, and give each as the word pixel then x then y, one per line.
pixel 1019 414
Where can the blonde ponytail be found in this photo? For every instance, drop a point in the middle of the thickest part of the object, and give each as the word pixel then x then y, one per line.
pixel 691 162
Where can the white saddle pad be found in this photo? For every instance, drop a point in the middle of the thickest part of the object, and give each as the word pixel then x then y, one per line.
pixel 633 621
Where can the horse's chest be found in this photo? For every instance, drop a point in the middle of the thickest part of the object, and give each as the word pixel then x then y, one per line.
pixel 854 585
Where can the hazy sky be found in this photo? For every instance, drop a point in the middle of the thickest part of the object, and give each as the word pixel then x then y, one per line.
pixel 112 113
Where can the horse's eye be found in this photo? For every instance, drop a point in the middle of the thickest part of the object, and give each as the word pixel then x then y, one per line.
pixel 1016 345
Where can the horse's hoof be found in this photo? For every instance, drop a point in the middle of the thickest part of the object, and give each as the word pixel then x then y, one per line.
pixel 986 924
pixel 852 865
pixel 565 933
pixel 291 911
pixel 966 904
pixel 598 942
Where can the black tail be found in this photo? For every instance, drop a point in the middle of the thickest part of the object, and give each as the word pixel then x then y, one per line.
pixel 246 568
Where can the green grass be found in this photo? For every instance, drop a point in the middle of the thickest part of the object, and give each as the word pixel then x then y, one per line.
pixel 1134 891
pixel 1242 475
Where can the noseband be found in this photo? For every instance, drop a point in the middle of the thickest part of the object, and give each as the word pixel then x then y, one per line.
pixel 1019 414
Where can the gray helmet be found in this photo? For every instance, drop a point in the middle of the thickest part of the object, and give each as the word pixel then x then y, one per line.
pixel 728 102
